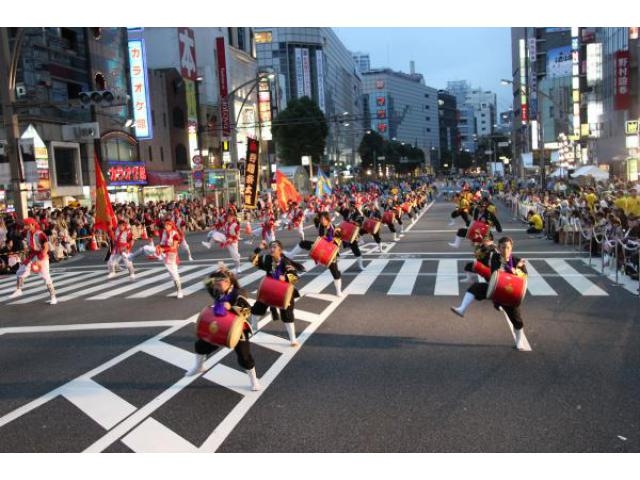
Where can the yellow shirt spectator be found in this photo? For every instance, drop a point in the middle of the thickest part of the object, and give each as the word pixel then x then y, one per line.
pixel 536 221
pixel 633 205
pixel 591 199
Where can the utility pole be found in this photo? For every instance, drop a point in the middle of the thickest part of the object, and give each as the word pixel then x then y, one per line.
pixel 8 63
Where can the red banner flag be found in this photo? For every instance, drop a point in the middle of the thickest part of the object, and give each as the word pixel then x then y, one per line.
pixel 286 191
pixel 105 218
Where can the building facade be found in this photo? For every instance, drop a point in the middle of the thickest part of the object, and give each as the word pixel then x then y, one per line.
pixel 404 109
pixel 467 119
pixel 313 62
pixel 363 61
pixel 448 115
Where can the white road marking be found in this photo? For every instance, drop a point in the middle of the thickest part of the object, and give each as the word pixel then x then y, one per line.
pixel 101 404
pixel 166 352
pixel 325 279
pixel 199 274
pixel 29 283
pixel 627 283
pixel 77 282
pixel 109 284
pixel 406 278
pixel 447 278
pixel 536 286
pixel 137 284
pixel 582 285
pixel 89 326
pixel 365 279
pixel 153 437
pixel 230 378
pixel 196 287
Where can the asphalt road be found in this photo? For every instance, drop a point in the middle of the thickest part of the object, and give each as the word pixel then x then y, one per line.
pixel 387 368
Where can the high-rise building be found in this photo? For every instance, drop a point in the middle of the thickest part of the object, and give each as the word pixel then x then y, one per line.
pixel 363 61
pixel 467 119
pixel 484 110
pixel 313 62
pixel 403 108
pixel 448 124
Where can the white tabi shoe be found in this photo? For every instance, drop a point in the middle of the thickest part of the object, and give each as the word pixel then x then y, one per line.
pixel 190 258
pixel 360 263
pixel 338 285
pixel 179 294
pixel 111 275
pixel 53 301
pixel 451 223
pixel 16 294
pixel 291 331
pixel 198 367
pixel 253 378
pixel 456 242
pixel 522 345
pixel 207 245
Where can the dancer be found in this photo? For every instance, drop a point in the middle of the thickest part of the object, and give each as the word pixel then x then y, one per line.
pixel 36 260
pixel 121 250
pixel 500 260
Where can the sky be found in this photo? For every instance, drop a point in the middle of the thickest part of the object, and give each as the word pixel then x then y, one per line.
pixel 482 56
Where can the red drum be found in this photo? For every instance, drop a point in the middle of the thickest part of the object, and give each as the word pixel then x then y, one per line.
pixel 349 231
pixel 507 289
pixel 406 207
pixel 225 330
pixel 323 251
pixel 371 226
pixel 388 216
pixel 35 266
pixel 481 269
pixel 478 231
pixel 275 293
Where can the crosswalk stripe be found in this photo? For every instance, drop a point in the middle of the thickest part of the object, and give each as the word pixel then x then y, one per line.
pixel 200 274
pixel 323 280
pixel 29 289
pixel 447 278
pixel 109 284
pixel 77 282
pixel 169 353
pixel 135 285
pixel 536 285
pixel 365 279
pixel 583 285
pixel 406 279
pixel 196 287
pixel 152 436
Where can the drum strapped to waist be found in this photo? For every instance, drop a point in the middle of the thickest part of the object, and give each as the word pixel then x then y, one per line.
pixel 481 269
pixel 406 207
pixel 323 251
pixel 371 226
pixel 275 293
pixel 349 231
pixel 506 288
pixel 478 231
pixel 225 330
pixel 387 217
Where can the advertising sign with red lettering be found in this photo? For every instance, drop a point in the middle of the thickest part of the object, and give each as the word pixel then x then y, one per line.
pixel 224 90
pixel 622 99
pixel 127 173
pixel 251 174
pixel 187 53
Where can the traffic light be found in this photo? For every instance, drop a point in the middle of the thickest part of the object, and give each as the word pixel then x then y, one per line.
pixel 97 96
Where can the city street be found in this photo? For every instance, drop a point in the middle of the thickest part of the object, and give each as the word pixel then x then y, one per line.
pixel 386 368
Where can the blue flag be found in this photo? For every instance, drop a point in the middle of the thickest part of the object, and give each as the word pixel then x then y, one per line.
pixel 324 185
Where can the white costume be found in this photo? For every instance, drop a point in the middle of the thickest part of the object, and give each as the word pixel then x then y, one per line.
pixel 123 240
pixel 37 261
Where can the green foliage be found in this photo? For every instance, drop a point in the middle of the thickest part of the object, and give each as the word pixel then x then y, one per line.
pixel 301 129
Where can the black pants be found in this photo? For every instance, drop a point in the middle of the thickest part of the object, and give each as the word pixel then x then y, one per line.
pixel 392 227
pixel 479 291
pixel 462 232
pixel 243 352
pixel 286 315
pixel 354 248
pixel 533 231
pixel 464 215
pixel 376 236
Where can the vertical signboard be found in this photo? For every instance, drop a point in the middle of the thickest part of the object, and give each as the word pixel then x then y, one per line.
pixel 622 99
pixel 299 74
pixel 575 79
pixel 306 72
pixel 187 41
pixel 264 109
pixel 251 174
pixel 320 78
pixel 533 79
pixel 224 90
pixel 524 114
pixel 140 90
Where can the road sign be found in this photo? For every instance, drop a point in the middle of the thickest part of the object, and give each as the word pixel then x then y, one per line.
pixel 631 127
pixel 198 175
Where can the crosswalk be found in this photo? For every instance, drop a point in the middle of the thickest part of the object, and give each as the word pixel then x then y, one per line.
pixel 431 277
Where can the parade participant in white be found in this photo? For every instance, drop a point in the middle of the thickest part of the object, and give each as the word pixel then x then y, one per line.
pixel 123 242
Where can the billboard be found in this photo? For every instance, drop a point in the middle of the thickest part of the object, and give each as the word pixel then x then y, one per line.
pixel 622 98
pixel 559 62
pixel 320 78
pixel 306 71
pixel 299 73
pixel 127 173
pixel 187 53
pixel 140 90
pixel 251 174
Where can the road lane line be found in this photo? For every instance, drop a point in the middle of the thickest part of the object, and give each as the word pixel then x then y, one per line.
pixel 88 326
pixel 77 282
pixel 578 281
pixel 153 437
pixel 406 278
pixel 200 273
pixel 365 279
pixel 325 279
pixel 536 286
pixel 447 278
pixel 196 287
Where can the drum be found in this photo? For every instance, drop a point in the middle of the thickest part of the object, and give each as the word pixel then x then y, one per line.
pixel 35 266
pixel 481 269
pixel 478 231
pixel 224 330
pixel 387 217
pixel 507 289
pixel 406 207
pixel 275 293
pixel 349 231
pixel 323 251
pixel 371 226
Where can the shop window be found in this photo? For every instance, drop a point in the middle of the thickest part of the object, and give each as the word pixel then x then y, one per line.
pixel 241 42
pixel 66 165
pixel 230 35
pixel 69 38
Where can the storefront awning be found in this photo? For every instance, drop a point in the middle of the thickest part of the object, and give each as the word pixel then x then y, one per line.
pixel 164 178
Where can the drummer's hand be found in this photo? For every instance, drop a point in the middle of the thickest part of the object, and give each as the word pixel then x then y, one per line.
pixel 520 264
pixel 263 244
pixel 227 305
pixel 282 278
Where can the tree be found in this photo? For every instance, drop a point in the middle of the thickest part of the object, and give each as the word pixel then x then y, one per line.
pixel 300 129
pixel 371 146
